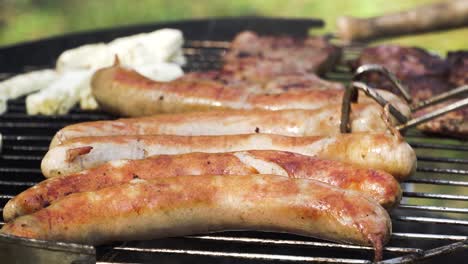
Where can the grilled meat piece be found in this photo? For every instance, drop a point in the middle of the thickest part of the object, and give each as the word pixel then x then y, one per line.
pixel 458 61
pixel 454 123
pixel 425 75
pixel 404 62
pixel 274 84
pixel 279 62
pixel 260 57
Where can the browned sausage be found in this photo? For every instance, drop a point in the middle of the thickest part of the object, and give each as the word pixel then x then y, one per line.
pixel 127 93
pixel 184 205
pixel 378 185
pixel 292 122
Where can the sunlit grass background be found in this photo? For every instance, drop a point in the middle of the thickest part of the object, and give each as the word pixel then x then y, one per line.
pixel 22 20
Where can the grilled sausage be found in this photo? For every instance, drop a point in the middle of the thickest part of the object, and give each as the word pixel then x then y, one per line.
pixel 292 122
pixel 127 93
pixel 184 205
pixel 379 185
pixel 377 151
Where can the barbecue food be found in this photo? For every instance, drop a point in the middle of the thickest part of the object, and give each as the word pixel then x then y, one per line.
pixel 159 46
pixel 454 123
pixel 405 62
pixel 125 92
pixel 425 75
pixel 274 84
pixel 458 61
pixel 61 95
pixel 184 205
pixel 258 58
pixel 25 83
pixel 378 185
pixel 153 54
pixel 377 151
pixel 293 122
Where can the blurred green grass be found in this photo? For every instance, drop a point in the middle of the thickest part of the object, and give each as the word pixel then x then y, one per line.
pixel 23 20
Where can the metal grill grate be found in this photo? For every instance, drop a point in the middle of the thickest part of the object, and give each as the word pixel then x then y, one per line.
pixel 432 218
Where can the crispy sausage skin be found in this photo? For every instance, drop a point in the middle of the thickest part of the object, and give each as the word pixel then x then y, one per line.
pixel 291 122
pixel 126 93
pixel 376 151
pixel 378 185
pixel 183 205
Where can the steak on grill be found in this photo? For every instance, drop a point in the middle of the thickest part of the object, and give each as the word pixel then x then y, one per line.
pixel 261 57
pixel 426 75
pixel 458 61
pixel 273 84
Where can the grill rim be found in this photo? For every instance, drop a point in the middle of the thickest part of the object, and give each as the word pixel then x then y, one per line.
pixel 210 21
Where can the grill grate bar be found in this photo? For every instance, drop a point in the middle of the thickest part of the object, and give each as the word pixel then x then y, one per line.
pixel 26 138
pixel 438 182
pixel 442 170
pixel 21 157
pixel 26 148
pixel 208 44
pixel 16 183
pixel 428 236
pixel 23 170
pixel 438 146
pixel 105 262
pixel 6 196
pixel 301 243
pixel 433 208
pixel 32 125
pixel 443 159
pixel 206 55
pixel 251 256
pixel 428 253
pixel 431 220
pixel 70 117
pixel 436 196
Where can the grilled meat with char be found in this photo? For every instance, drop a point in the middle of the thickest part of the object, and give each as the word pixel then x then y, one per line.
pixel 425 75
pixel 260 57
pixel 458 61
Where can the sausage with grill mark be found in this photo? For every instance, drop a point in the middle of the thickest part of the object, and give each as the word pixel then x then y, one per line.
pixel 184 205
pixel 126 93
pixel 378 185
pixel 291 122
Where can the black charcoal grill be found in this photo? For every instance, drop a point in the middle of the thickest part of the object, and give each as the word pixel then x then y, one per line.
pixel 430 225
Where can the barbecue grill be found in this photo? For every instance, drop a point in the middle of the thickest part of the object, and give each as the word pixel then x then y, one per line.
pixel 432 219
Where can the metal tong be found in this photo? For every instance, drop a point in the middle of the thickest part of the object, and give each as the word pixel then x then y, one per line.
pixel 351 96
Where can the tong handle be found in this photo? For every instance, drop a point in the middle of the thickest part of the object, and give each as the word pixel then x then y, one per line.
pixel 439 16
pixel 434 114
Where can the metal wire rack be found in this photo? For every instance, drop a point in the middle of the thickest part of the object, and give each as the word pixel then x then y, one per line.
pixel 431 220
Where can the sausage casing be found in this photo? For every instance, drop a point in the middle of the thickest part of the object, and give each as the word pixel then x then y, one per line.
pixel 378 185
pixel 183 205
pixel 291 122
pixel 126 93
pixel 376 151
